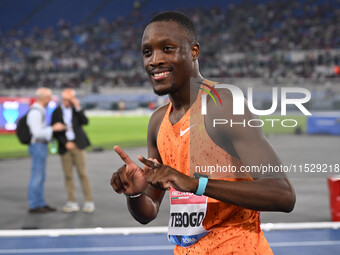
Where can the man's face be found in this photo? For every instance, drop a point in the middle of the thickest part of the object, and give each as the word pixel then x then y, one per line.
pixel 167 56
pixel 47 99
pixel 66 100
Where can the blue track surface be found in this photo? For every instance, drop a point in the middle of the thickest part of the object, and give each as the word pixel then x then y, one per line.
pixel 292 242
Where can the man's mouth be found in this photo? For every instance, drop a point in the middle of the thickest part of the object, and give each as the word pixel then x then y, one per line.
pixel 161 75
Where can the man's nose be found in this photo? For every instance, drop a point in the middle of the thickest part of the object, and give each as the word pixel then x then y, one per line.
pixel 157 58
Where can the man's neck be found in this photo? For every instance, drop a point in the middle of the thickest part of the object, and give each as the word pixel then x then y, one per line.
pixel 63 106
pixel 41 104
pixel 185 97
pixel 182 100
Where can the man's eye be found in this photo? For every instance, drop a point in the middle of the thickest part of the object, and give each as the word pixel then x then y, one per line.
pixel 167 48
pixel 146 52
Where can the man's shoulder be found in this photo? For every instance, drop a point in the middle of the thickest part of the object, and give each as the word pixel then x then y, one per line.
pixel 157 118
pixel 57 110
pixel 56 114
pixel 159 113
pixel 36 108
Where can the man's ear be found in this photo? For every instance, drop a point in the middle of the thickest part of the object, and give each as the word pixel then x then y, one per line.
pixel 195 51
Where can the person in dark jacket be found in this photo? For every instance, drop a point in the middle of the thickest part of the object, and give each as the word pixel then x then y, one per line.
pixel 71 147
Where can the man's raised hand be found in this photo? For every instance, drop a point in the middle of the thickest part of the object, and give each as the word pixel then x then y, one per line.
pixel 130 178
pixel 164 177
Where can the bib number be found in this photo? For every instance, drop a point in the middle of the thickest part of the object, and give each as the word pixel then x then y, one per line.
pixel 187 212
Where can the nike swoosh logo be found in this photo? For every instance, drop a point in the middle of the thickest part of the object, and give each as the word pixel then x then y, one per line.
pixel 186 130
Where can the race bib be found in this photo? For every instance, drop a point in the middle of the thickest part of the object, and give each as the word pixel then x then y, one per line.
pixel 187 212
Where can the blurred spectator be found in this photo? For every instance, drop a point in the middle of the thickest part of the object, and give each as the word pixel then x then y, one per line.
pixel 72 143
pixel 41 135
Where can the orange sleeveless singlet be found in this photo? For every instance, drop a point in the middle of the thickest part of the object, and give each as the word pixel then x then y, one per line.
pixel 233 229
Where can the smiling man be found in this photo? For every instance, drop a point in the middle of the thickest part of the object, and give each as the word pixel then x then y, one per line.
pixel 218 215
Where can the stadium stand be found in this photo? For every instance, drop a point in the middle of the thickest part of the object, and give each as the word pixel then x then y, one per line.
pixel 94 44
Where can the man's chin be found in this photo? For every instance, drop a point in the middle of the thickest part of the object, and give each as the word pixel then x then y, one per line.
pixel 160 92
pixel 163 91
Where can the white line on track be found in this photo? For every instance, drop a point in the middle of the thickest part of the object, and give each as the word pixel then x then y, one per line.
pixel 89 249
pixel 154 230
pixel 149 248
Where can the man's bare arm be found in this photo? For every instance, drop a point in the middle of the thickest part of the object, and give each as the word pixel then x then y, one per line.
pixel 143 208
pixel 265 192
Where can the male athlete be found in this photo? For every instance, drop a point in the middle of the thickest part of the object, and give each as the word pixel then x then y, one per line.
pixel 218 215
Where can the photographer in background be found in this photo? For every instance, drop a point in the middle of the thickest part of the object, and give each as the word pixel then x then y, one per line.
pixel 72 144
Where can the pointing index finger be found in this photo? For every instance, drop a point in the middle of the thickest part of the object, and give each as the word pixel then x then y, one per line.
pixel 122 154
pixel 147 162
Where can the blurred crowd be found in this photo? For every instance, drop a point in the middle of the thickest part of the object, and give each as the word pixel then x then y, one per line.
pixel 272 40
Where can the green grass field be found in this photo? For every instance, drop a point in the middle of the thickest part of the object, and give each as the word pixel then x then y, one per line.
pixel 105 132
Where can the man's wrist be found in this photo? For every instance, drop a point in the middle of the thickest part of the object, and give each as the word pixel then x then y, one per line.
pixel 202 184
pixel 194 185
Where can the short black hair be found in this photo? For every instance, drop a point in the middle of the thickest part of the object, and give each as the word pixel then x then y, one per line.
pixel 181 19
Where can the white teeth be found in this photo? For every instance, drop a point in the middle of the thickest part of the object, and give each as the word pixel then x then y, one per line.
pixel 161 74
